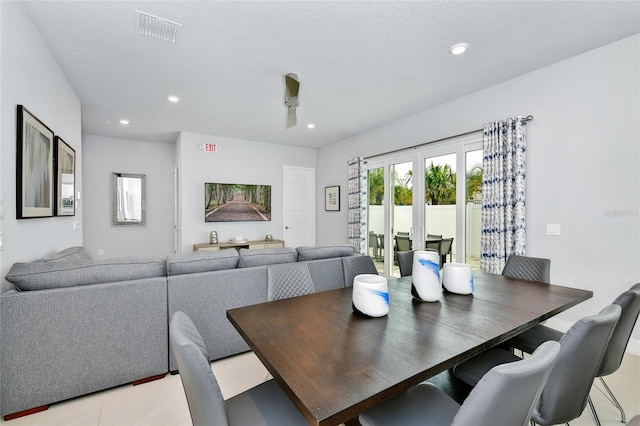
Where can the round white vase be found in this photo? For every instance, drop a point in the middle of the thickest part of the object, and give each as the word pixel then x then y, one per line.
pixel 457 278
pixel 425 276
pixel 370 295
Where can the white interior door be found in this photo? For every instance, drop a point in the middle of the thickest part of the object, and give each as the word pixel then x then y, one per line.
pixel 299 206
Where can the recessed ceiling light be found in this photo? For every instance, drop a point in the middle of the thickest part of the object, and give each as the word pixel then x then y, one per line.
pixel 310 126
pixel 458 49
pixel 123 121
pixel 173 98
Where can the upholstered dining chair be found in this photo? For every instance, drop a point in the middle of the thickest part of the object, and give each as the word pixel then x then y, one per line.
pixel 265 404
pixel 356 265
pixel 506 395
pixel 288 280
pixel 566 392
pixel 528 268
pixel 405 262
pixel 629 301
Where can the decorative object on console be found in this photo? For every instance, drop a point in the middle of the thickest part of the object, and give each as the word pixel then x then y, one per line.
pixel 268 238
pixel 34 167
pixel 457 278
pixel 332 198
pixel 65 167
pixel 370 295
pixel 226 202
pixel 425 278
pixel 213 237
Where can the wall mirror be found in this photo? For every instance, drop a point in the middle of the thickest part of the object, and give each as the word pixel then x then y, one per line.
pixel 128 199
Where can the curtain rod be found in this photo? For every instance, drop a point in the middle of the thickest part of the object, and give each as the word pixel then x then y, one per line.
pixel 525 119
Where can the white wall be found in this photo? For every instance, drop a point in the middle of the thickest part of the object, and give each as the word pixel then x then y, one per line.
pixel 106 155
pixel 30 76
pixel 237 161
pixel 583 164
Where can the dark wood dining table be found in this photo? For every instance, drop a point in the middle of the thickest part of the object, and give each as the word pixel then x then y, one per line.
pixel 335 364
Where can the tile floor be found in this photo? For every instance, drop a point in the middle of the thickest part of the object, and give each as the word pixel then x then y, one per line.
pixel 162 402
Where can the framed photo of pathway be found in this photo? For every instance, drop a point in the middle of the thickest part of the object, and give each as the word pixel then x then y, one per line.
pixel 332 198
pixel 34 167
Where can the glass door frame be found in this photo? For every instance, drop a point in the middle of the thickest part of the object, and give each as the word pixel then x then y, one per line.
pixel 459 146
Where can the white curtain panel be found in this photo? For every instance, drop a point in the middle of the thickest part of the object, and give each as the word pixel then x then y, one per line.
pixel 503 192
pixel 357 204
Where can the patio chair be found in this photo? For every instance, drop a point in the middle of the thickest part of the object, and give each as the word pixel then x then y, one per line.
pixel 433 245
pixel 445 249
pixel 403 243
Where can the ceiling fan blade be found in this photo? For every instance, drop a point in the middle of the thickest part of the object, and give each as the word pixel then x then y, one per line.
pixel 292 88
pixel 292 120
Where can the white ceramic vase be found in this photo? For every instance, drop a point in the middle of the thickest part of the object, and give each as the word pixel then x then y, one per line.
pixel 425 276
pixel 370 295
pixel 457 278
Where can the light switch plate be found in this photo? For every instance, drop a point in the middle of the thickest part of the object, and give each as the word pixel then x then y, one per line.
pixel 553 229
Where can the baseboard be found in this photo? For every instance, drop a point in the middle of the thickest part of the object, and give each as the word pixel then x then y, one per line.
pixel 633 347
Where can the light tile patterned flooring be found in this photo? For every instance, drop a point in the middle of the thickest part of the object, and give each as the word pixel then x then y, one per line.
pixel 162 402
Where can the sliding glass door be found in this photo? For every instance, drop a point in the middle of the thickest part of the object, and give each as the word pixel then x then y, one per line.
pixel 430 199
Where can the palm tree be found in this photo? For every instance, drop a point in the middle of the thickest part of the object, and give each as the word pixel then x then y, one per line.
pixel 474 182
pixel 376 186
pixel 440 184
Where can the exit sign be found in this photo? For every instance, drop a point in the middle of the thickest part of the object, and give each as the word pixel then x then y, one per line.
pixel 210 147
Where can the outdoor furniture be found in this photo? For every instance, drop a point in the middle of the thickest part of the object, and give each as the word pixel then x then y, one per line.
pixel 373 245
pixel 402 243
pixel 445 249
pixel 433 242
pixel 340 364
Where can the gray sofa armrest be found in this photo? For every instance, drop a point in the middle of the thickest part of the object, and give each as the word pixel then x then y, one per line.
pixel 66 342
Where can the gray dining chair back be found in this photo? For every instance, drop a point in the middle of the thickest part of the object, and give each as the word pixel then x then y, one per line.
pixel 405 263
pixel 433 245
pixel 288 280
pixel 506 395
pixel 356 265
pixel 566 392
pixel 263 405
pixel 204 397
pixel 629 302
pixel 528 268
pixel 565 395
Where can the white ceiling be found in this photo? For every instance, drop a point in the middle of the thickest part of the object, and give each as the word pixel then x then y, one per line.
pixel 361 64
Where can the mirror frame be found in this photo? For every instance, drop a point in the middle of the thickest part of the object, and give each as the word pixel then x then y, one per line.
pixel 115 197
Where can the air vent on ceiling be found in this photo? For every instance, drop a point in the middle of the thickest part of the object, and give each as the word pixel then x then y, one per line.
pixel 156 27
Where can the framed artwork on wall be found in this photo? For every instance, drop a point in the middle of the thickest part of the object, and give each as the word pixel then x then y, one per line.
pixel 332 198
pixel 34 167
pixel 65 170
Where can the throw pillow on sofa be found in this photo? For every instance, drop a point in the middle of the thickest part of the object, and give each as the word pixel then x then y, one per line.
pixel 68 254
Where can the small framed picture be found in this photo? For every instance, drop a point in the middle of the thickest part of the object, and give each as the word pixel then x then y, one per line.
pixel 65 171
pixel 332 198
pixel 34 157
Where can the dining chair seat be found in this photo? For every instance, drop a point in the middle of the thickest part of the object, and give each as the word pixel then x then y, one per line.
pixel 566 392
pixel 263 405
pixel 505 395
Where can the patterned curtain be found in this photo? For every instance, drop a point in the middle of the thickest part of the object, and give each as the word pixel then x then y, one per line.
pixel 357 204
pixel 503 192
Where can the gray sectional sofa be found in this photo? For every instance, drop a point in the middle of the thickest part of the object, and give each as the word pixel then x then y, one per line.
pixel 70 325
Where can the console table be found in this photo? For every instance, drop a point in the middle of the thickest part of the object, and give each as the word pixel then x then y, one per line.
pixel 259 244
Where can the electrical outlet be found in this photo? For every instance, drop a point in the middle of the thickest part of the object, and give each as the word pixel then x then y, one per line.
pixel 553 229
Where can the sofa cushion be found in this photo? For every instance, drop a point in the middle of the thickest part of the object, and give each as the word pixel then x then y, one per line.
pixel 267 256
pixel 201 261
pixel 68 254
pixel 324 252
pixel 46 275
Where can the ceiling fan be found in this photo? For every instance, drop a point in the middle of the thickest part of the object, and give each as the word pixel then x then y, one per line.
pixel 291 89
